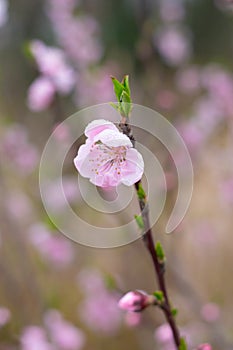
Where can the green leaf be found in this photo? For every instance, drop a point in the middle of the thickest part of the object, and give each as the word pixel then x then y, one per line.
pixel 174 312
pixel 125 83
pixel 126 105
pixel 115 106
pixel 139 221
pixel 160 252
pixel 125 98
pixel 118 88
pixel 159 295
pixel 122 92
pixel 140 192
pixel 183 345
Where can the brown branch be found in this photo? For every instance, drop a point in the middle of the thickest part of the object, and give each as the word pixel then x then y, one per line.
pixel 149 243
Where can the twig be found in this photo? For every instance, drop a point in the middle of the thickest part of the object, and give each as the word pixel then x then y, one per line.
pixel 149 243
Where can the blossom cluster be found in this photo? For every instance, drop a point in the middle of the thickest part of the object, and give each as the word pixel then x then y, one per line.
pixel 17 150
pixel 70 67
pixel 56 76
pixel 57 333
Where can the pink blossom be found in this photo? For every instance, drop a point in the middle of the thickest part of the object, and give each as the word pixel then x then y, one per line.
pixel 27 159
pixel 5 316
pixel 173 45
pixel 62 333
pixel 99 309
pixel 226 189
pixel 34 338
pixel 19 205
pixel 204 234
pixel 224 5
pixel 133 319
pixel 90 281
pixel 16 147
pixel 163 333
pixel 210 312
pixel 135 301
pixel 64 80
pixel 49 59
pixel 52 317
pixel 64 5
pixel 97 126
pixel 100 312
pixel 208 112
pixel 78 35
pixel 55 249
pixel 52 63
pixel 40 94
pixel 55 195
pixel 188 80
pixel 95 87
pixel 219 84
pixel 61 132
pixel 215 79
pixel 192 135
pixel 16 134
pixel 171 10
pixel 108 157
pixel 166 99
pixel 204 347
pixel 3 12
pixel 192 333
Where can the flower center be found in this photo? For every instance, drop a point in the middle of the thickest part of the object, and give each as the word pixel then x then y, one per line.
pixel 108 157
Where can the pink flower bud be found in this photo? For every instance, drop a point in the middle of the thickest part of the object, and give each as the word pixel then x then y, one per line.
pixel 135 301
pixel 204 347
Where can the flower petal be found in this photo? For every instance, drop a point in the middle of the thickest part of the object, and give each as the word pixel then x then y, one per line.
pixel 83 152
pixel 112 138
pixel 105 180
pixel 96 126
pixel 133 168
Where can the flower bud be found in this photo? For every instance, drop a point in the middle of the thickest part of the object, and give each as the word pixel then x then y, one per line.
pixel 136 301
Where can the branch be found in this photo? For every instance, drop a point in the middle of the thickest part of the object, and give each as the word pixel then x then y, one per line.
pixel 149 243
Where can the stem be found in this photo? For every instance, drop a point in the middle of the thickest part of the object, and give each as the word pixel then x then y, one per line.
pixel 149 243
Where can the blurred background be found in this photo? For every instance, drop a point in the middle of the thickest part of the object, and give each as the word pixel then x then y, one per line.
pixel 56 57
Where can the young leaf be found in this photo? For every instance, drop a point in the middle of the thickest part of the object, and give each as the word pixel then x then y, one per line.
pixel 114 105
pixel 183 345
pixel 160 252
pixel 140 192
pixel 174 312
pixel 125 104
pixel 118 88
pixel 125 82
pixel 159 295
pixel 139 221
